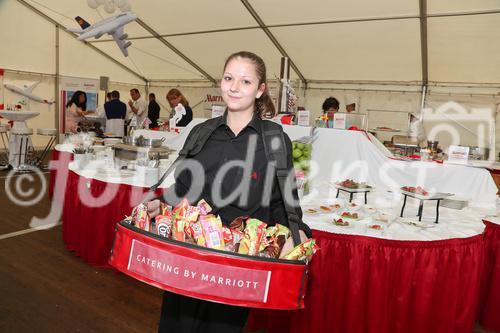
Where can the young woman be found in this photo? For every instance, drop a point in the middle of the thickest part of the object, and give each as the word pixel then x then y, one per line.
pixel 237 137
pixel 174 98
pixel 76 108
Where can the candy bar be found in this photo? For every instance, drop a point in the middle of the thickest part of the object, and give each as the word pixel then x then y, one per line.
pixel 254 231
pixel 204 207
pixel 212 230
pixel 303 250
pixel 178 229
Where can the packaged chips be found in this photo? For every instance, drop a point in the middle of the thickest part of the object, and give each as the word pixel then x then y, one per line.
pixel 303 250
pixel 195 225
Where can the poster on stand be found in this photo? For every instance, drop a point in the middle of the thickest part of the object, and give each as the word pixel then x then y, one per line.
pixel 213 97
pixel 218 110
pixel 303 117
pixel 458 154
pixel 67 87
pixel 1 89
pixel 339 120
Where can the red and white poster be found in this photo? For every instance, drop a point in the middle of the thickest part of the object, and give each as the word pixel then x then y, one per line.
pixel 213 97
pixel 2 71
pixel 67 86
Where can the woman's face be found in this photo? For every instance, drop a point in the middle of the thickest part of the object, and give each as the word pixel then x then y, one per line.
pixel 174 101
pixel 240 85
pixel 81 99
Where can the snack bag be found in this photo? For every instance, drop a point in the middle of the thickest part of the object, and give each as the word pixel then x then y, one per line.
pixel 272 233
pixel 180 210
pixel 238 223
pixel 254 231
pixel 237 237
pixel 178 229
pixel 204 207
pixel 165 210
pixel 163 225
pixel 301 251
pixel 192 213
pixel 227 235
pixel 212 230
pixel 141 217
pixel 196 232
pixel 274 247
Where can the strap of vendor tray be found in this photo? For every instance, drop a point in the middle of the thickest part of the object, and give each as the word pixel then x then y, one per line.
pixel 194 143
pixel 275 147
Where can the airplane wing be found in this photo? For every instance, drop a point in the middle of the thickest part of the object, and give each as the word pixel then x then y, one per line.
pixel 29 88
pixel 121 39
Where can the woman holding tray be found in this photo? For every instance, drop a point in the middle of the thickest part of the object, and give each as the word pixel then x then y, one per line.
pixel 235 165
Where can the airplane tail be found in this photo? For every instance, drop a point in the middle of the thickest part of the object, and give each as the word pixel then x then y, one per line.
pixel 84 24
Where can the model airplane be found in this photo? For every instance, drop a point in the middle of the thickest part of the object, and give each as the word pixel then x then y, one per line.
pixel 112 26
pixel 26 91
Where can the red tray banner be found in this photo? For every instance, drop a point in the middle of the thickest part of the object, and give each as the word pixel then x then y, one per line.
pixel 209 274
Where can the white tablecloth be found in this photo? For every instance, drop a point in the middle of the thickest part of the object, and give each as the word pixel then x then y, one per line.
pixel 452 223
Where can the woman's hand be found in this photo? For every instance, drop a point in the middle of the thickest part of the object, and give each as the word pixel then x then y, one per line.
pixel 289 244
pixel 153 208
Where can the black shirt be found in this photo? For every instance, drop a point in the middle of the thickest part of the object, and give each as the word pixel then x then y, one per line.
pixel 115 109
pixel 263 196
pixel 153 113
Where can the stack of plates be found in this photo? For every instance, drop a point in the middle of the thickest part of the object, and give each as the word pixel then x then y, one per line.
pixel 453 204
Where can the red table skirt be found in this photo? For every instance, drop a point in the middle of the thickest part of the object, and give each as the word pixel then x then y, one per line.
pixel 489 302
pixel 365 284
pixel 56 156
pixel 90 212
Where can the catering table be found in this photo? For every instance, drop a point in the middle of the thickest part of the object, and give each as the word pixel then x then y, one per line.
pixel 365 284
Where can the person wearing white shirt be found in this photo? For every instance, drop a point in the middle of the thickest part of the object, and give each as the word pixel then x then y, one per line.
pixel 137 110
pixel 416 130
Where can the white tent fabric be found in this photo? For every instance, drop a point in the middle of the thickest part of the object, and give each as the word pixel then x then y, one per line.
pixel 370 51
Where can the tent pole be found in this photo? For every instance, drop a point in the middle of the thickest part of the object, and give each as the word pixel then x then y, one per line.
pixel 423 41
pixel 56 87
pixel 273 39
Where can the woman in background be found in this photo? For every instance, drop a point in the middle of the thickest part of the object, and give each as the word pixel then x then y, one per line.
pixel 76 108
pixel 174 98
pixel 330 106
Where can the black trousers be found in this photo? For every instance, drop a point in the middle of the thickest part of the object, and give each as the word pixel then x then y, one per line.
pixel 181 314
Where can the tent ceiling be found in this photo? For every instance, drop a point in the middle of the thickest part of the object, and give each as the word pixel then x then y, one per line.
pixel 340 40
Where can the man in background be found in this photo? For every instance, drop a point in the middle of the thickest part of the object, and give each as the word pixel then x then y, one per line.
pixel 153 111
pixel 115 111
pixel 136 114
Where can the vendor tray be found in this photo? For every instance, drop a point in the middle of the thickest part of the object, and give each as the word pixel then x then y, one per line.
pixel 208 274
